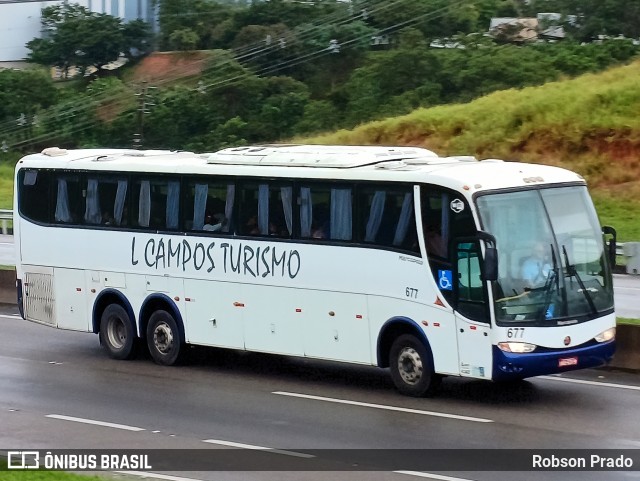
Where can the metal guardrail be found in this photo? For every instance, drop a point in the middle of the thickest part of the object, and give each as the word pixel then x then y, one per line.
pixel 6 215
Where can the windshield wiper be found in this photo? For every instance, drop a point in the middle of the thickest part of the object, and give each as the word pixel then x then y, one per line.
pixel 552 278
pixel 573 272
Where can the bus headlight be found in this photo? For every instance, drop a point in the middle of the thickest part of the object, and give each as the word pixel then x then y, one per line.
pixel 517 347
pixel 607 335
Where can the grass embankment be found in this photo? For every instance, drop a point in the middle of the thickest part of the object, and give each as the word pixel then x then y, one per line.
pixel 589 124
pixel 626 320
pixel 43 475
pixel 6 185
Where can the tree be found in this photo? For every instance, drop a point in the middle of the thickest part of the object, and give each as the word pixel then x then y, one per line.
pixel 137 35
pixel 391 83
pixel 200 18
pixel 23 95
pixel 183 39
pixel 74 36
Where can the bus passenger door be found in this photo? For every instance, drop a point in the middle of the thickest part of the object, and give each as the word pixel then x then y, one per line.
pixel 451 244
pixel 472 312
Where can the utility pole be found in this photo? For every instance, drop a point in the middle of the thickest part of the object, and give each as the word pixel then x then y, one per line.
pixel 144 104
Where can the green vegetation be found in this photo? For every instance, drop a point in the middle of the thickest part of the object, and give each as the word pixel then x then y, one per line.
pixel 6 185
pixel 588 124
pixel 619 208
pixel 626 320
pixel 43 475
pixel 279 69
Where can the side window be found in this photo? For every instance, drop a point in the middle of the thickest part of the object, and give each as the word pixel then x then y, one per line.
pixel 33 199
pixel 445 217
pixel 326 213
pixel 387 217
pixel 156 203
pixel 106 201
pixel 69 202
pixel 266 209
pixel 209 206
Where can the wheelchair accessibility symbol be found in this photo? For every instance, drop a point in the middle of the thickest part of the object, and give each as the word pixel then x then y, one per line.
pixel 445 280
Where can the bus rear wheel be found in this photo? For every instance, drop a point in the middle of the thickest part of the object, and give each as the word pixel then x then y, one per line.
pixel 411 369
pixel 117 335
pixel 163 338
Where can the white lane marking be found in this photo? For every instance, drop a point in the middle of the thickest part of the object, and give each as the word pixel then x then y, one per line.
pixel 591 383
pixel 381 406
pixel 628 288
pixel 431 476
pixel 231 444
pixel 11 316
pixel 145 474
pixel 92 421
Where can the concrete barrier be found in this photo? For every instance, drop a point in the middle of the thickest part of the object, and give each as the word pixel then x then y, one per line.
pixel 627 355
pixel 8 293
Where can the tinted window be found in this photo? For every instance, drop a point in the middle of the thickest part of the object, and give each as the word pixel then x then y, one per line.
pixel 34 195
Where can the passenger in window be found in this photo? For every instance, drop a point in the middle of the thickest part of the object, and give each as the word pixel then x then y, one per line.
pixel 107 218
pixel 277 226
pixel 251 227
pixel 320 224
pixel 214 223
pixel 434 243
pixel 320 231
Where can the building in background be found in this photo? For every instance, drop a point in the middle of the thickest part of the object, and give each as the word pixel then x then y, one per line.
pixel 20 22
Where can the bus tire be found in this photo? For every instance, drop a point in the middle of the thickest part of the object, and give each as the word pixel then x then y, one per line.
pixel 163 338
pixel 117 335
pixel 411 369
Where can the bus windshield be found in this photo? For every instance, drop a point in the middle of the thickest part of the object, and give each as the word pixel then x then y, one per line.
pixel 552 264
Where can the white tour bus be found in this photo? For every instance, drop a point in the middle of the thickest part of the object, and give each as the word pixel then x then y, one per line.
pixel 384 256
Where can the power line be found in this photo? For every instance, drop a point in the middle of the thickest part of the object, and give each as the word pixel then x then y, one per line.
pixel 121 101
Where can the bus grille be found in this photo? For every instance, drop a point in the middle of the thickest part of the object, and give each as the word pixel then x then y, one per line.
pixel 39 300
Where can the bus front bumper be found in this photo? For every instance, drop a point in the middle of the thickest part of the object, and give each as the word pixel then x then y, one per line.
pixel 510 366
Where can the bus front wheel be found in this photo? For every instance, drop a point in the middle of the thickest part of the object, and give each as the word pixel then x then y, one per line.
pixel 163 338
pixel 411 369
pixel 116 332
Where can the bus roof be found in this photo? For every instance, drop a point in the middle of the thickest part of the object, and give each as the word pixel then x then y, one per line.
pixel 375 163
pixel 322 156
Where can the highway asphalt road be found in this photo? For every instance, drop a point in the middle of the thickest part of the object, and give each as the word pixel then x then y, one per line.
pixel 59 390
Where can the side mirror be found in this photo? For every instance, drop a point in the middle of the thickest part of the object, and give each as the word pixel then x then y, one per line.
pixel 490 264
pixel 612 244
pixel 490 272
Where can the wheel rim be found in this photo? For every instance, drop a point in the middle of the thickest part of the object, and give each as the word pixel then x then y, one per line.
pixel 410 365
pixel 117 333
pixel 163 338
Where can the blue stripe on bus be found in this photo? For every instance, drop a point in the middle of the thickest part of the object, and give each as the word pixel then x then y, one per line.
pixel 510 366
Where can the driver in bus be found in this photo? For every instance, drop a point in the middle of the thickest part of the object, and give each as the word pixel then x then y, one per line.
pixel 535 268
